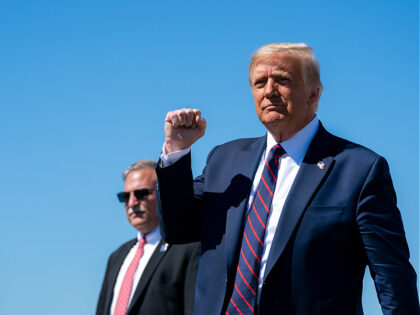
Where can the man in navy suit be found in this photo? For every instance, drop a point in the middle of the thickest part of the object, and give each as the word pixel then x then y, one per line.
pixel 146 275
pixel 330 212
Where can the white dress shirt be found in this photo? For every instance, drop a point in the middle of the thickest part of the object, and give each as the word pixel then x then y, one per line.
pixel 152 241
pixel 289 164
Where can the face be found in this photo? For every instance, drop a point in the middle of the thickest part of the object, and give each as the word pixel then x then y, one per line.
pixel 142 215
pixel 284 101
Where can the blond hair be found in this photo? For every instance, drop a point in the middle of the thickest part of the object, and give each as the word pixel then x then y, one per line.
pixel 301 51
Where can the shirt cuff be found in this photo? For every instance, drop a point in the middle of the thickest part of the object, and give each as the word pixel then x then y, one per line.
pixel 168 159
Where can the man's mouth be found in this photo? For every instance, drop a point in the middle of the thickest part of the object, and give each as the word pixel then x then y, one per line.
pixel 274 105
pixel 274 101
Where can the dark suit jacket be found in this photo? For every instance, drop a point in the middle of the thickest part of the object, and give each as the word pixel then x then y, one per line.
pixel 338 218
pixel 166 286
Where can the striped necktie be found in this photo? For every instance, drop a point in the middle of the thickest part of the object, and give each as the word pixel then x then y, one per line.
pixel 247 273
pixel 127 284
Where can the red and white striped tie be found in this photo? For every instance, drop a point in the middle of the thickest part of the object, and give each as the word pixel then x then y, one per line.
pixel 127 284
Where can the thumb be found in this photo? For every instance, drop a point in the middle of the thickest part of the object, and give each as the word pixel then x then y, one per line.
pixel 202 124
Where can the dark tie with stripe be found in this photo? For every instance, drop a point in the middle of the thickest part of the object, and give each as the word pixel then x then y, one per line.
pixel 244 293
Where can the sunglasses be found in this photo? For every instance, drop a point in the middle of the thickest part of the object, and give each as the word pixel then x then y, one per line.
pixel 140 194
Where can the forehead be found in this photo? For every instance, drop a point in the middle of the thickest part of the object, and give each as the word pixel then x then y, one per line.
pixel 145 178
pixel 282 63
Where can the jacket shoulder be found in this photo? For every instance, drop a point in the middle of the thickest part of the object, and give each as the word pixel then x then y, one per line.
pixel 234 146
pixel 187 248
pixel 340 146
pixel 124 247
pixel 242 142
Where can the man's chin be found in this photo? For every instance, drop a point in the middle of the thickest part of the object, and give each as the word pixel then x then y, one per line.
pixel 272 118
pixel 137 220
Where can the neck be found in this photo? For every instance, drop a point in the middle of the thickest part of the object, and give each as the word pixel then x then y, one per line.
pixel 282 132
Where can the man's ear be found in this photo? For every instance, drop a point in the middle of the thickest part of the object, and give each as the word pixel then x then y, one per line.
pixel 314 96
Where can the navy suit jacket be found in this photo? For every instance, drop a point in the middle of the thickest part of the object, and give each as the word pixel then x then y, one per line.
pixel 166 286
pixel 337 219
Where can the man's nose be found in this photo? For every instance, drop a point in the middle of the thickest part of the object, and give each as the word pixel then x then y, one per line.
pixel 271 88
pixel 132 200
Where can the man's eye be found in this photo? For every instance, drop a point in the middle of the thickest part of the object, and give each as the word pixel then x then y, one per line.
pixel 283 81
pixel 259 83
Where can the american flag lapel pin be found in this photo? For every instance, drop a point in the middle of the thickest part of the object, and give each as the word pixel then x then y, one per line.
pixel 321 165
pixel 164 247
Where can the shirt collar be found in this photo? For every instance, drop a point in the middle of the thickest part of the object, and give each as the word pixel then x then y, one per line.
pixel 297 145
pixel 152 237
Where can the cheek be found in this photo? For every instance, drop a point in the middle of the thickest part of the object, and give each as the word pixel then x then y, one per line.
pixel 259 112
pixel 257 95
pixel 285 93
pixel 258 104
pixel 151 205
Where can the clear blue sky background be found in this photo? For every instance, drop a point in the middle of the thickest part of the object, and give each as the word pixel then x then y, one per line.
pixel 84 88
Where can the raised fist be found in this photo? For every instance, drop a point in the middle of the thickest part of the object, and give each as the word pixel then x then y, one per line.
pixel 183 127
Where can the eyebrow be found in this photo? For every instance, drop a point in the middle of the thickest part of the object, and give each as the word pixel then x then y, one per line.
pixel 275 73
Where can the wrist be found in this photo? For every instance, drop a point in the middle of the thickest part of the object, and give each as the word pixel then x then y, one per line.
pixel 173 146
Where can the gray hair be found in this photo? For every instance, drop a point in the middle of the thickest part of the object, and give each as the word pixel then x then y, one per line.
pixel 137 166
pixel 299 50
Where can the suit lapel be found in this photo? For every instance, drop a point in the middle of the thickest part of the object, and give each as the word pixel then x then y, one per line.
pixel 148 272
pixel 246 164
pixel 313 169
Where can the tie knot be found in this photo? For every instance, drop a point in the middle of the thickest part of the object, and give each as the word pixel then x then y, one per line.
pixel 277 150
pixel 143 240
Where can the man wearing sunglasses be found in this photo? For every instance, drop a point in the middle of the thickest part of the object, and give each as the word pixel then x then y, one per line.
pixel 146 275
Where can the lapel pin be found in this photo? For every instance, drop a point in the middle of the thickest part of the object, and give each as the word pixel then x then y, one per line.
pixel 164 247
pixel 321 165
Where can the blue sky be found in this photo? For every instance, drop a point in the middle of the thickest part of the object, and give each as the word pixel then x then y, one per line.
pixel 85 86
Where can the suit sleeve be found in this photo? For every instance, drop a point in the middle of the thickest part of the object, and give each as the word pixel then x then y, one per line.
pixel 190 280
pixel 179 202
pixel 382 232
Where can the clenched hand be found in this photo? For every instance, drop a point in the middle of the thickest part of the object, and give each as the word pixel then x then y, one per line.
pixel 183 127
